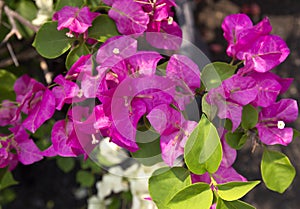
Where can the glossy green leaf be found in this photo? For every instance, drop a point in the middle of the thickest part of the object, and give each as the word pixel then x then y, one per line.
pixel 7 180
pixel 149 152
pixel 85 178
pixel 236 140
pixel 166 182
pixel 75 54
pixel 51 43
pixel 249 117
pixel 209 110
pixel 74 3
pixel 28 10
pixel 66 164
pixel 235 190
pixel 192 196
pixel 7 81
pixel 203 151
pixel 162 68
pixel 277 171
pixel 296 133
pixel 237 204
pixel 214 73
pixel 103 28
pixel 89 164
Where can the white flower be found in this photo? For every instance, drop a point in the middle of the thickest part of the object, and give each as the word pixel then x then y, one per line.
pixel 111 183
pixel 45 11
pixel 95 203
pixel 110 153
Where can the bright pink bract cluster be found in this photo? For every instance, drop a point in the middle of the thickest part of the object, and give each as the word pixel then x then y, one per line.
pixel 254 84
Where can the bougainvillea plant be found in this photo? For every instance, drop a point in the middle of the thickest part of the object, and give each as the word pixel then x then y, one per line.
pixel 128 81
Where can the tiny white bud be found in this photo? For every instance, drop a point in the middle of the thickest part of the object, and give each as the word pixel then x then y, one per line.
pixel 94 140
pixel 116 51
pixel 80 93
pixel 170 20
pixel 280 124
pixel 69 34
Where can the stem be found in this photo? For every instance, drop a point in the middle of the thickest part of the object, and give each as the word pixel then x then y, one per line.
pixel 103 7
pixel 14 102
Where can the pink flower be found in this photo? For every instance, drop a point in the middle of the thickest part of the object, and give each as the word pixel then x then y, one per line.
pixel 271 126
pixel 75 19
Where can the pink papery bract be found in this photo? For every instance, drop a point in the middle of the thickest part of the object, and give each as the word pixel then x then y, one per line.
pixel 169 36
pixel 75 19
pixel 266 53
pixel 129 17
pixel 115 50
pixel 271 126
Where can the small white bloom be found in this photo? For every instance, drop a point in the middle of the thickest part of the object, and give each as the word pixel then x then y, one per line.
pixel 116 51
pixel 45 11
pixel 94 140
pixel 170 20
pixel 280 124
pixel 111 183
pixel 95 203
pixel 110 153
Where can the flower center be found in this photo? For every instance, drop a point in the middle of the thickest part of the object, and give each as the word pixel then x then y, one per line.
pixel 280 124
pixel 116 51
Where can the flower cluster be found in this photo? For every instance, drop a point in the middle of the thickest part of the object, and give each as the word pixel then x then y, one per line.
pixel 128 88
pixel 147 16
pixel 130 97
pixel 254 84
pixel 38 103
pixel 119 65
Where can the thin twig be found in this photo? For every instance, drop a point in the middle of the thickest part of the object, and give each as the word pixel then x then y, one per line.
pixel 26 55
pixel 21 19
pixel 12 54
pixel 1 8
pixel 12 16
pixel 14 30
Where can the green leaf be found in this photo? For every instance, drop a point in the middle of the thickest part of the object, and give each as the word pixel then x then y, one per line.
pixel 249 117
pixel 203 151
pixel 149 152
pixel 192 196
pixel 237 204
pixel 85 178
pixel 51 43
pixel 103 28
pixel 28 10
pixel 209 110
pixel 166 182
pixel 74 3
pixel 235 190
pixel 7 81
pixel 75 54
pixel 162 68
pixel 296 133
pixel 89 164
pixel 66 164
pixel 277 171
pixel 214 73
pixel 236 140
pixel 7 180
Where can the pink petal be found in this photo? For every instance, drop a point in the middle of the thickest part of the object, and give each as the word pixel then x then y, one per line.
pixel 44 110
pixel 274 135
pixel 169 36
pixel 28 152
pixel 129 17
